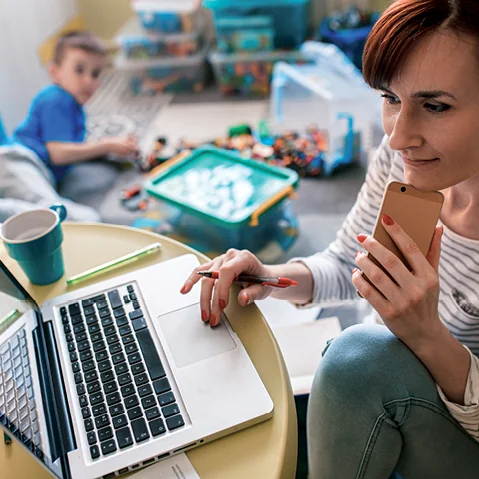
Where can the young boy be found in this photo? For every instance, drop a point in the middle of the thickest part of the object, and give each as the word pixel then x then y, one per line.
pixel 54 131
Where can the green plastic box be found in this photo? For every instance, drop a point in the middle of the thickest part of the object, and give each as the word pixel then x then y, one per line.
pixel 220 200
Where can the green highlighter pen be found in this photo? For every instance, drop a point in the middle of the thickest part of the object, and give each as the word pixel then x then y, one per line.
pixel 106 267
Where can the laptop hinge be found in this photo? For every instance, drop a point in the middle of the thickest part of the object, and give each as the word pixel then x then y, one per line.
pixel 59 422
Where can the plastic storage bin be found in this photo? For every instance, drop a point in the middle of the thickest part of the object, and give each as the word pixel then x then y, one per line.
pixel 137 44
pixel 249 74
pixel 174 74
pixel 289 17
pixel 244 34
pixel 219 200
pixel 330 94
pixel 166 16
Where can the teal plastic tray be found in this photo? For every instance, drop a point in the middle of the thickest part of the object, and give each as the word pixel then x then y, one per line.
pixel 222 188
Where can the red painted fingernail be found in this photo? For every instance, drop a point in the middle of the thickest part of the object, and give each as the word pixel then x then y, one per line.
pixel 204 315
pixel 388 220
pixel 183 289
pixel 212 320
pixel 354 270
pixel 222 303
pixel 361 238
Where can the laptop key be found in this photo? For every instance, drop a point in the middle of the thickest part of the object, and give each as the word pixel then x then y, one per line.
pixel 99 297
pixel 144 390
pixel 110 387
pixel 91 320
pixel 124 437
pixel 71 347
pixel 86 303
pixel 103 313
pixel 121 368
pixel 102 304
pixel 118 358
pixel 88 365
pixel 131 348
pixel 74 309
pixel 112 339
pixel 83 400
pixel 170 410
pixel 157 427
pixel 88 425
pixel 134 358
pixel 96 398
pixel 88 310
pixel 152 413
pixel 117 409
pixel 69 337
pixel 113 398
pixel 81 337
pixel 91 376
pixel 126 299
pixel 93 387
pixel 83 345
pixel 86 355
pixel 78 378
pixel 102 421
pixel 161 385
pixel 166 398
pixel 127 390
pixel 139 324
pixel 80 389
pixel 148 402
pixel 105 433
pixel 150 353
pixel 115 299
pixel 140 430
pixel 94 328
pixel 119 312
pixel 67 328
pixel 115 348
pixel 96 337
pixel 99 346
pixel 109 330
pixel 63 310
pixel 121 322
pixel 91 436
pixel 107 376
pixel 124 329
pixel 175 422
pixel 98 410
pixel 108 321
pixel 85 412
pixel 108 447
pixel 134 413
pixel 129 288
pixel 137 368
pixel 128 339
pixel 77 319
pixel 124 379
pixel 101 355
pixel 136 304
pixel 131 401
pixel 138 313
pixel 119 421
pixel 94 452
pixel 104 365
pixel 133 296
pixel 141 379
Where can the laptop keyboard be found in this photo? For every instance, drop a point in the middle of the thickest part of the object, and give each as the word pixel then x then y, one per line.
pixel 123 390
pixel 17 402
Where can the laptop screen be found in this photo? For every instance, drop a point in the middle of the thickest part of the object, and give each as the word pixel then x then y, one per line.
pixel 22 413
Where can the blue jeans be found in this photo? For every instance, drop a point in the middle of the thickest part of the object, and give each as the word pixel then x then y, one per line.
pixel 374 413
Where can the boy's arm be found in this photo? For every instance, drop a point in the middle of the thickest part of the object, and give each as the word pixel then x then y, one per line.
pixel 66 153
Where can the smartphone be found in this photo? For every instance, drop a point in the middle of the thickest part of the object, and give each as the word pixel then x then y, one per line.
pixel 416 211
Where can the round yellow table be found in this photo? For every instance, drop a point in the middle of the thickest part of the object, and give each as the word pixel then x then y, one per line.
pixel 267 450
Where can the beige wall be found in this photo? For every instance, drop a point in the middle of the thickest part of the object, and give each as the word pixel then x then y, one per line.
pixel 104 17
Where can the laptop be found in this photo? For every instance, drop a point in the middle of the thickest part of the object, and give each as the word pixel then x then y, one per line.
pixel 115 376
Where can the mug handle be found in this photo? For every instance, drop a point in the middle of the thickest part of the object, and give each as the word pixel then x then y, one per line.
pixel 60 210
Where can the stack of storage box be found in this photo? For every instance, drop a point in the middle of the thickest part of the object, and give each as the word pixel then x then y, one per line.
pixel 163 48
pixel 252 35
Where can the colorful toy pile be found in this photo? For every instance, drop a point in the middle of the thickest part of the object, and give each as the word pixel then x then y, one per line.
pixel 252 35
pixel 162 49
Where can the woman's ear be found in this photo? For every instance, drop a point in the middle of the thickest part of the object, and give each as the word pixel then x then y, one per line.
pixel 53 71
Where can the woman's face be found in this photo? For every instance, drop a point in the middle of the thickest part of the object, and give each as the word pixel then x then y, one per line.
pixel 431 112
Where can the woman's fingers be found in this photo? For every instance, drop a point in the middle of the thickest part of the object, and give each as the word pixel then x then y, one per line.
pixel 435 250
pixel 194 277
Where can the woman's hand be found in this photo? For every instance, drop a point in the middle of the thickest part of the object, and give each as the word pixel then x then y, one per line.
pixel 215 292
pixel 410 307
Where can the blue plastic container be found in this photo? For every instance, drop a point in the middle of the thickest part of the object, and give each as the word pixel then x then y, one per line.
pixel 351 41
pixel 289 17
pixel 165 17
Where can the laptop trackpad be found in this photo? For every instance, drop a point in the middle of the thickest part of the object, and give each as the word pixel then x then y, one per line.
pixel 190 340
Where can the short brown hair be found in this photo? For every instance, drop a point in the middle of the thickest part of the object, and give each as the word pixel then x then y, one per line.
pixel 80 39
pixel 403 23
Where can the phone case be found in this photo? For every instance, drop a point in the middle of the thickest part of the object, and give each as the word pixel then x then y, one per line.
pixel 416 211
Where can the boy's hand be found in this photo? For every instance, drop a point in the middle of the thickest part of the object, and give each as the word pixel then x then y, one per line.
pixel 122 146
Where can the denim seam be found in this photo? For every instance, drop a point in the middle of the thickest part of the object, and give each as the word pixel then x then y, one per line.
pixel 380 420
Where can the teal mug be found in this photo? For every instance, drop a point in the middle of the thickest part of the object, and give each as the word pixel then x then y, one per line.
pixel 34 239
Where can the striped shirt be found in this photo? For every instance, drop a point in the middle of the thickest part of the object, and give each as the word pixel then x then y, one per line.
pixel 458 275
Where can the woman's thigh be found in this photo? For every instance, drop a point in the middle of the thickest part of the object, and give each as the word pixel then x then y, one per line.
pixel 374 409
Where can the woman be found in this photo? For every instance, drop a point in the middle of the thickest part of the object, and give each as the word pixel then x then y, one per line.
pixel 400 398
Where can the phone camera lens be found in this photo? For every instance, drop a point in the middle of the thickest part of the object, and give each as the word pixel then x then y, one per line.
pixel 403 189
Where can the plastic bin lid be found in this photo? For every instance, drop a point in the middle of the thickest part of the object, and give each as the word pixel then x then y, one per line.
pixel 238 22
pixel 216 4
pixel 222 187
pixel 121 62
pixel 274 55
pixel 179 6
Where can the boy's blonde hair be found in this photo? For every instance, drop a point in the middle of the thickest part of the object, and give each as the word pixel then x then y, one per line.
pixel 80 39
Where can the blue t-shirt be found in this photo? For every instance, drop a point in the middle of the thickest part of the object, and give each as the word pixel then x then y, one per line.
pixel 54 115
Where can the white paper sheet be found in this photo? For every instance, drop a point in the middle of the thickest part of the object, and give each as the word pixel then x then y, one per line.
pixel 175 467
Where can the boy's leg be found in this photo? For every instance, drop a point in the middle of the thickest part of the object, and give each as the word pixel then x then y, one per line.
pixel 374 409
pixel 87 183
pixel 21 179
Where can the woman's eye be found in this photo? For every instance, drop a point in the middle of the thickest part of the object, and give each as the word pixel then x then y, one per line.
pixel 436 108
pixel 392 100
